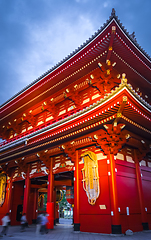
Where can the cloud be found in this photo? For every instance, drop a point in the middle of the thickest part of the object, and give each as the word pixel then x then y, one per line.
pixel 81 1
pixel 107 4
pixel 50 43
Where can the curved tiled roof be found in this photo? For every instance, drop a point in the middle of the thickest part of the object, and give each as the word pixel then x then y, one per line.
pixel 112 16
pixel 131 36
pixel 83 112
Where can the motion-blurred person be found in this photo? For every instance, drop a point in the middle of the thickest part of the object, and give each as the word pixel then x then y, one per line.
pixel 38 222
pixel 43 224
pixel 24 222
pixel 5 224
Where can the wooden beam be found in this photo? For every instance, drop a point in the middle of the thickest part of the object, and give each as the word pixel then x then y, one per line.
pixel 38 186
pixel 63 183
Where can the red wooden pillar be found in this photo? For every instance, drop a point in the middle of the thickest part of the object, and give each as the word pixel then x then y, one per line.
pixel 26 194
pixel 115 215
pixel 141 196
pixel 50 203
pixel 76 195
pixel 35 206
pixel 54 200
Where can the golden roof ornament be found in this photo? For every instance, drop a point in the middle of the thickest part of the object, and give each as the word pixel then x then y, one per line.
pixel 123 80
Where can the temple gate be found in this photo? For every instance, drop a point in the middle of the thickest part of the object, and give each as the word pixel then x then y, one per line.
pixel 83 124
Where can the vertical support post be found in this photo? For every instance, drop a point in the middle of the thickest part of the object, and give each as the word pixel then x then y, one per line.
pixel 35 205
pixel 54 200
pixel 26 193
pixel 50 203
pixel 115 215
pixel 76 195
pixel 141 195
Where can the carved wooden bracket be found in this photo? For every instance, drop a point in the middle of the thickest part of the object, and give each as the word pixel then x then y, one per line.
pixel 5 131
pixel 22 166
pixel 5 169
pixel 73 95
pixel 106 79
pixel 51 107
pixel 38 166
pixel 111 140
pixel 32 120
pixel 45 158
pixel 141 152
pixel 16 127
pixel 2 132
pixel 69 151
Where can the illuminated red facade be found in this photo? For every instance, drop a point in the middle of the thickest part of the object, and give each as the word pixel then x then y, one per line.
pixel 83 124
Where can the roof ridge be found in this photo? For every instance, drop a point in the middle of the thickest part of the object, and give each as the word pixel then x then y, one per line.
pixel 112 16
pixel 131 36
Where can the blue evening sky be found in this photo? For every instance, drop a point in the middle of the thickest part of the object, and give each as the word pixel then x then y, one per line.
pixel 37 34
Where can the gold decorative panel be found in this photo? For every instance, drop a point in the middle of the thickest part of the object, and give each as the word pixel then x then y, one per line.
pixel 3 179
pixel 90 176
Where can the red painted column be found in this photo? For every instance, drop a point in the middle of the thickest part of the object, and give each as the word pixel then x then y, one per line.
pixel 35 207
pixel 26 194
pixel 141 195
pixel 115 215
pixel 50 203
pixel 54 200
pixel 76 195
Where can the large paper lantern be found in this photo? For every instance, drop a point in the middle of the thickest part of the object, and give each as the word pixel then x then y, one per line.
pixel 70 195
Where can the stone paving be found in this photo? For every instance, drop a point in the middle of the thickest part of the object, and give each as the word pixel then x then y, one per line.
pixel 64 231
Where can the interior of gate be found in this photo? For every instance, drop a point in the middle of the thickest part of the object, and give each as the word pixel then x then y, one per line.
pixel 95 207
pixel 37 199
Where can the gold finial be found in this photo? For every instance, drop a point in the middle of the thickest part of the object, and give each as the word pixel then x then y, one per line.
pixel 108 71
pixel 124 98
pixel 119 115
pixel 108 62
pixel 123 80
pixel 113 29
